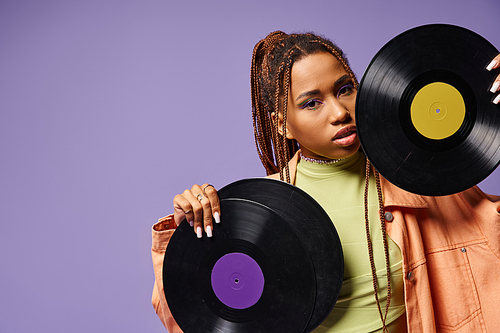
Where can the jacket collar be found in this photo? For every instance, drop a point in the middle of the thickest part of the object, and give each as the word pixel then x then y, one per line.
pixel 393 195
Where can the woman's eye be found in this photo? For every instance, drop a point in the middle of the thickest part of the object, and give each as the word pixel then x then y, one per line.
pixel 311 104
pixel 345 90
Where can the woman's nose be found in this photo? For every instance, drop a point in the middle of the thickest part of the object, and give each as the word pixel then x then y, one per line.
pixel 339 113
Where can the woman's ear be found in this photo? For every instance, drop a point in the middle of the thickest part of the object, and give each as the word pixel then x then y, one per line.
pixel 279 119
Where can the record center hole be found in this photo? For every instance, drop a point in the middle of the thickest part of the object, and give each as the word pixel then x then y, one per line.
pixel 438 110
pixel 236 281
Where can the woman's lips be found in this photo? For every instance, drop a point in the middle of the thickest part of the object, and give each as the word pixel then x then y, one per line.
pixel 346 136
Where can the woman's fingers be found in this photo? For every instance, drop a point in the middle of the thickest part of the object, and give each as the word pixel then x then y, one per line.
pixel 495 63
pixel 182 209
pixel 195 197
pixel 495 86
pixel 200 206
pixel 211 193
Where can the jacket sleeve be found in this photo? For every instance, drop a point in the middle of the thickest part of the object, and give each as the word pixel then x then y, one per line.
pixel 161 237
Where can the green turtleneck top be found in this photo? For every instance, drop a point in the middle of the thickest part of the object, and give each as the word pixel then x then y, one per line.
pixel 339 189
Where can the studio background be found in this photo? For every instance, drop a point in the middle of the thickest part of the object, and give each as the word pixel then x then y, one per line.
pixel 110 108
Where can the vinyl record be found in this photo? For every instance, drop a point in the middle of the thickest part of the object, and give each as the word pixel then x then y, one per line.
pixel 253 275
pixel 313 227
pixel 424 114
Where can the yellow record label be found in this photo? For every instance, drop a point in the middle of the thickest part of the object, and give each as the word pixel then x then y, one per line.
pixel 437 110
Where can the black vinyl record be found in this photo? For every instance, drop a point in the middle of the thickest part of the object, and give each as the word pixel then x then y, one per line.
pixel 253 275
pixel 313 227
pixel 424 114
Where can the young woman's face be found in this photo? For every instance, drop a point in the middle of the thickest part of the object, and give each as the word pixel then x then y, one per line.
pixel 321 108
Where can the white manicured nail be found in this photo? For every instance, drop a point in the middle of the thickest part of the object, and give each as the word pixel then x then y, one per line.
pixel 497 99
pixel 217 217
pixel 209 231
pixel 495 86
pixel 191 223
pixel 491 65
pixel 198 232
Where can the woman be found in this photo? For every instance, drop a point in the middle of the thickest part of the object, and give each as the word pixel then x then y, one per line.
pixel 428 262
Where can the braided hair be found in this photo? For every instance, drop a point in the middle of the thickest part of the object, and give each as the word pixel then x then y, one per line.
pixel 272 61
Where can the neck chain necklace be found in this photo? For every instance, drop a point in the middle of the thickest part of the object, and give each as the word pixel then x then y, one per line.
pixel 313 160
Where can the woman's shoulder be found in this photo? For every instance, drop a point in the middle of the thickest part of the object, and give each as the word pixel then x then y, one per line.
pixel 473 197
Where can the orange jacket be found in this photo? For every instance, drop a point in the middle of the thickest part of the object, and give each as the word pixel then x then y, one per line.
pixel 451 258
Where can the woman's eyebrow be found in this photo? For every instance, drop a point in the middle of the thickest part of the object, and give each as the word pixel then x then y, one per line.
pixel 308 93
pixel 342 79
pixel 316 91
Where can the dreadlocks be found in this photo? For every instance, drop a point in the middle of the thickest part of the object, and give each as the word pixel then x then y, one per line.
pixel 272 61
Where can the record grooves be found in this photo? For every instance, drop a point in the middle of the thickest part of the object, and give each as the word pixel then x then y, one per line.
pixel 311 224
pixel 423 110
pixel 405 109
pixel 251 232
pixel 224 308
pixel 274 263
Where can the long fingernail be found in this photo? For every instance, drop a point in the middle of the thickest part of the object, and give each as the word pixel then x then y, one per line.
pixel 491 65
pixel 198 232
pixel 191 223
pixel 496 100
pixel 217 217
pixel 495 86
pixel 209 231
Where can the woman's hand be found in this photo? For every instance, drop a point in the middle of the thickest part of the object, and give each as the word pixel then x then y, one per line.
pixel 495 63
pixel 198 205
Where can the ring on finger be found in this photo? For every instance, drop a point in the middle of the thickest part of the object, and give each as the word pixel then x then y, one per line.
pixel 187 211
pixel 204 187
pixel 199 197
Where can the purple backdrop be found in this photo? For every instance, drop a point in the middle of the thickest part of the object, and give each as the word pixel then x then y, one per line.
pixel 110 108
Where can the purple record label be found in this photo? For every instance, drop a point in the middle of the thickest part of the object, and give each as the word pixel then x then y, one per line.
pixel 237 280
